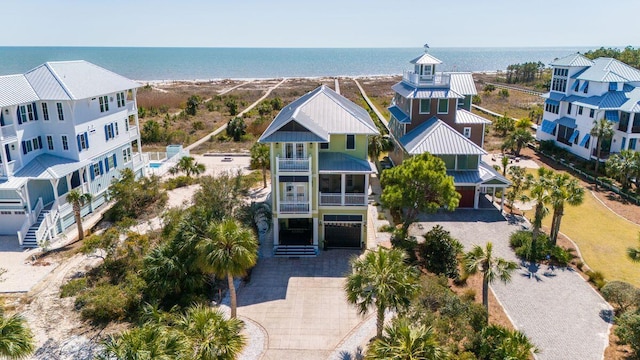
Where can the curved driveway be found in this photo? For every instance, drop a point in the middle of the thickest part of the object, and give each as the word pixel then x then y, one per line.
pixel 555 307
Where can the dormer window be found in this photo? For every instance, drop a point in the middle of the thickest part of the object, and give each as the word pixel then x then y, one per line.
pixel 613 86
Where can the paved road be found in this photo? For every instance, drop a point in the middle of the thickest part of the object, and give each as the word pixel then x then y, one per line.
pixel 560 312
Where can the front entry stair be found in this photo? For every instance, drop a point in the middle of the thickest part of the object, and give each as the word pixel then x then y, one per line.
pixel 30 240
pixel 295 251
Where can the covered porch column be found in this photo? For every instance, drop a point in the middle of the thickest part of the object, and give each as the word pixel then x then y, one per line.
pixel 276 232
pixel 315 231
pixel 476 197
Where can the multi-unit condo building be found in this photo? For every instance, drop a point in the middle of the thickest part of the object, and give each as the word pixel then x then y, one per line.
pixel 63 126
pixel 431 112
pixel 319 172
pixel 584 90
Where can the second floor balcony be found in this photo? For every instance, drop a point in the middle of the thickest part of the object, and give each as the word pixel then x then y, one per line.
pixel 437 79
pixel 347 199
pixel 302 165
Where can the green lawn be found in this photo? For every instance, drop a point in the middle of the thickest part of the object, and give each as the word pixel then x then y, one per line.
pixel 603 238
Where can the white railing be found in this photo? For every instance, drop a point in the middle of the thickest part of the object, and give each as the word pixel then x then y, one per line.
pixel 3 173
pixel 22 233
pixel 7 131
pixel 294 207
pixel 36 211
pixel 293 165
pixel 133 131
pixel 10 166
pixel 349 199
pixel 167 163
pixel 438 79
pixel 47 228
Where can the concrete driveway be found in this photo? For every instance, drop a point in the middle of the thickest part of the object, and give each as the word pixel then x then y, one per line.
pixel 301 304
pixel 557 309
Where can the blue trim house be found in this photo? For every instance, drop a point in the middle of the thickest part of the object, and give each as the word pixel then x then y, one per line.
pixel 63 126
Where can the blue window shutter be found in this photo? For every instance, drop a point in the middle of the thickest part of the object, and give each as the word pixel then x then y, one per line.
pixel 106 164
pixel 79 144
pixel 35 111
pixel 86 139
pixel 18 115
pixel 1 119
pixel 115 163
pixel 92 171
pixel 106 133
pixel 101 168
pixel 40 141
pixel 24 148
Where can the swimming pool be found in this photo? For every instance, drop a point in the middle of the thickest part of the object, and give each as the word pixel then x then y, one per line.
pixel 154 165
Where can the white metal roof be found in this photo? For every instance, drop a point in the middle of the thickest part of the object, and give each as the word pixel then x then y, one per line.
pixel 426 59
pixel 462 83
pixel 436 137
pixel 63 80
pixel 15 89
pixel 411 92
pixel 47 166
pixel 323 112
pixel 572 60
pixel 466 117
pixel 610 70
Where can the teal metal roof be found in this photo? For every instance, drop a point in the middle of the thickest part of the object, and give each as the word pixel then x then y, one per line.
pixel 572 60
pixel 48 166
pixel 293 136
pixel 340 162
pixel 399 114
pixel 485 173
pixel 566 121
pixel 547 126
pixel 436 137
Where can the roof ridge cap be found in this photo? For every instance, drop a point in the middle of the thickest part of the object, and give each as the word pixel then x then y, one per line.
pixel 57 77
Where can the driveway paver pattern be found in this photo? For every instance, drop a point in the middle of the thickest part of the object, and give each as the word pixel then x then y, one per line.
pixel 555 307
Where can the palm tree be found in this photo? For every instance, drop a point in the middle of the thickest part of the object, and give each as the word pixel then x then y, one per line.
pixel 565 189
pixel 381 280
pixel 497 342
pixel 492 268
pixel 602 129
pixel 260 157
pixel 78 200
pixel 16 339
pixel 541 193
pixel 519 181
pixel 188 165
pixel 624 167
pixel 404 340
pixel 518 139
pixel 377 145
pixel 228 249
pixel 524 123
pixel 505 164
pixel 210 335
pixel 151 341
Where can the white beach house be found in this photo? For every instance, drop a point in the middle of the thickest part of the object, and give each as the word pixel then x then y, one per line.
pixel 584 90
pixel 63 125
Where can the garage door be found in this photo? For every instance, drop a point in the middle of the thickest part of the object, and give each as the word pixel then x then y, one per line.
pixel 342 235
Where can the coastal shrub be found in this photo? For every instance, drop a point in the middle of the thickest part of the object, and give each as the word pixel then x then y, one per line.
pixel 133 197
pixel 385 228
pixel 192 105
pixel 236 128
pixel 232 106
pixel 107 302
pixel 439 252
pixel 596 278
pixel 488 88
pixel 503 93
pixel 498 342
pixel 73 287
pixel 621 294
pixel 521 243
pixel 152 132
pixel 401 240
pixel 628 330
pixel 476 100
pixel 212 106
pixel 178 182
pixel 265 108
pixel 276 103
pixel 197 125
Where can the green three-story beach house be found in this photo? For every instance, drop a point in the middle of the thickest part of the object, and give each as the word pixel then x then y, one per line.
pixel 319 173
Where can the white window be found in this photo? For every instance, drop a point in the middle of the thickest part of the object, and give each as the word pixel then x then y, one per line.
pixel 120 99
pixel 466 132
pixel 45 112
pixel 104 103
pixel 351 142
pixel 580 108
pixel 65 142
pixel 50 142
pixel 425 106
pixel 126 155
pixel 96 170
pixel 60 113
pixel 592 113
pixel 83 142
pixel 443 106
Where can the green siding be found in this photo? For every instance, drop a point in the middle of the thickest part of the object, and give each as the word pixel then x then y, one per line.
pixel 449 161
pixel 338 143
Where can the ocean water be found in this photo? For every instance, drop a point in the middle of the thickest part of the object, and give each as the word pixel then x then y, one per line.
pixel 222 63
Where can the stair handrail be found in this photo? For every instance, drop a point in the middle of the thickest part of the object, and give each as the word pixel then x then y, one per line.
pixel 22 233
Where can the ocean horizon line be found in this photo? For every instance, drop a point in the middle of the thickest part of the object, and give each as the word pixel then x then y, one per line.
pixel 537 47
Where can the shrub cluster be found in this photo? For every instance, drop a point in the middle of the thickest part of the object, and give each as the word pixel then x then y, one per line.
pixel 540 250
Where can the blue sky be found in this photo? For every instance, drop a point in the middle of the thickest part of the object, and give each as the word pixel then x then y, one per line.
pixel 320 23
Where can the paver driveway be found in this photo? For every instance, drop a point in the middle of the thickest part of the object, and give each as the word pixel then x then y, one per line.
pixel 556 308
pixel 301 304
